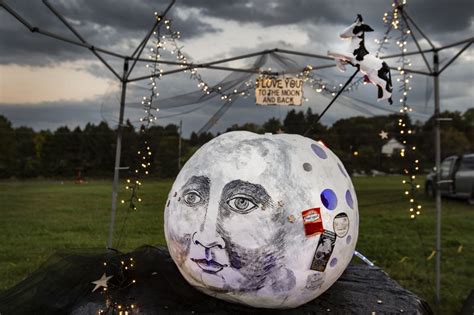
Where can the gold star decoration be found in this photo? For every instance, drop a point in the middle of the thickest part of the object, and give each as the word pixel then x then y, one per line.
pixel 102 282
pixel 383 134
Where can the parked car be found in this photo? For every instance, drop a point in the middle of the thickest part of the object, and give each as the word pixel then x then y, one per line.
pixel 457 178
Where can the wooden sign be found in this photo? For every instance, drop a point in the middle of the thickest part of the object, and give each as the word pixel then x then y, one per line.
pixel 279 90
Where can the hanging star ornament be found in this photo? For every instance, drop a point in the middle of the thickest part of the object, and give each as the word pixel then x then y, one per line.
pixel 383 134
pixel 102 282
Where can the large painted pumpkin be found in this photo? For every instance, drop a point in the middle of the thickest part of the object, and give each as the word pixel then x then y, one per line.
pixel 262 220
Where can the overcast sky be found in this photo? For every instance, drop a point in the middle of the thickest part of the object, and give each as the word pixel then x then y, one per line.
pixel 45 83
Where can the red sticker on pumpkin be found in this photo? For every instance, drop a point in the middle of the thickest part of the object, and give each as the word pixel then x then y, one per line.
pixel 313 223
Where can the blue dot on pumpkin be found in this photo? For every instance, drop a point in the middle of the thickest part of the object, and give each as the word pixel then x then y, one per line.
pixel 329 199
pixel 333 262
pixel 342 170
pixel 348 239
pixel 349 200
pixel 319 151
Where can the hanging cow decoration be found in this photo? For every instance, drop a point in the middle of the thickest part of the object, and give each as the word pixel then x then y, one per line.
pixel 375 70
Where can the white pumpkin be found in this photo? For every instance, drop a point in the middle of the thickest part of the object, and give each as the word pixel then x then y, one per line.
pixel 263 220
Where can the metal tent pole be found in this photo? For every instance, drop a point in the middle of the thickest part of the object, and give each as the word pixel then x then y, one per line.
pixel 73 30
pixel 179 143
pixel 438 174
pixel 118 153
pixel 35 29
pixel 143 43
pixel 331 102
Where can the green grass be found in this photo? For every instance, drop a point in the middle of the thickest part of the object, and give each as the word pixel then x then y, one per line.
pixel 40 217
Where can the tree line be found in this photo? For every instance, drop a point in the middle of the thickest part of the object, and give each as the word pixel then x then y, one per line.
pixel 90 151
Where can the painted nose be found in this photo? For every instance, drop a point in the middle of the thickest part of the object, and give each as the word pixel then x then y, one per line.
pixel 207 235
pixel 201 239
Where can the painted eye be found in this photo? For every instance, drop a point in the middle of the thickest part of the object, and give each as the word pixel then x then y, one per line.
pixel 192 198
pixel 241 204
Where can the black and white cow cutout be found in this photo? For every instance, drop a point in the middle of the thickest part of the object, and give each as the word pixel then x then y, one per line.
pixel 375 70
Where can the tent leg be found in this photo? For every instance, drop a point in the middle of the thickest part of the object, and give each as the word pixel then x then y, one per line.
pixel 118 152
pixel 438 175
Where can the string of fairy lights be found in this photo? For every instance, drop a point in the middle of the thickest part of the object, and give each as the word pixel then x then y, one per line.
pixel 123 278
pixel 112 287
pixel 144 153
pixel 168 42
pixel 206 88
pixel 111 290
pixel 122 273
pixel 316 83
pixel 394 21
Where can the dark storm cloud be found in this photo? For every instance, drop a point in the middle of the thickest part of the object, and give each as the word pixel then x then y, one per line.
pixel 271 12
pixel 51 115
pixel 442 15
pixel 115 24
pixel 106 23
pixel 132 16
pixel 438 15
pixel 19 46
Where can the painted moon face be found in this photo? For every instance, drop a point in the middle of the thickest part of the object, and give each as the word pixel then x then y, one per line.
pixel 262 220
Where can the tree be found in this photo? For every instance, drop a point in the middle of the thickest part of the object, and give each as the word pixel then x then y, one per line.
pixel 468 118
pixel 27 163
pixel 8 148
pixel 56 153
pixel 273 125
pixel 456 135
pixel 453 142
pixel 26 153
pixel 194 139
pixel 295 122
pixel 246 127
pixel 205 137
pixel 98 152
pixel 316 130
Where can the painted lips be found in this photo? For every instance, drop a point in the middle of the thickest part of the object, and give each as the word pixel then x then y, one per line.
pixel 210 266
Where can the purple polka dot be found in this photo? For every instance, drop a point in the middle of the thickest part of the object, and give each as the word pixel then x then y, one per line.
pixel 333 262
pixel 348 239
pixel 342 170
pixel 329 199
pixel 349 200
pixel 319 151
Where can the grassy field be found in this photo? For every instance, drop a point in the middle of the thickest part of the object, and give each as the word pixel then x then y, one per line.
pixel 40 217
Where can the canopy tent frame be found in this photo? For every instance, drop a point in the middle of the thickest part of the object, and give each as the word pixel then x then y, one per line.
pixel 433 70
pixel 123 79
